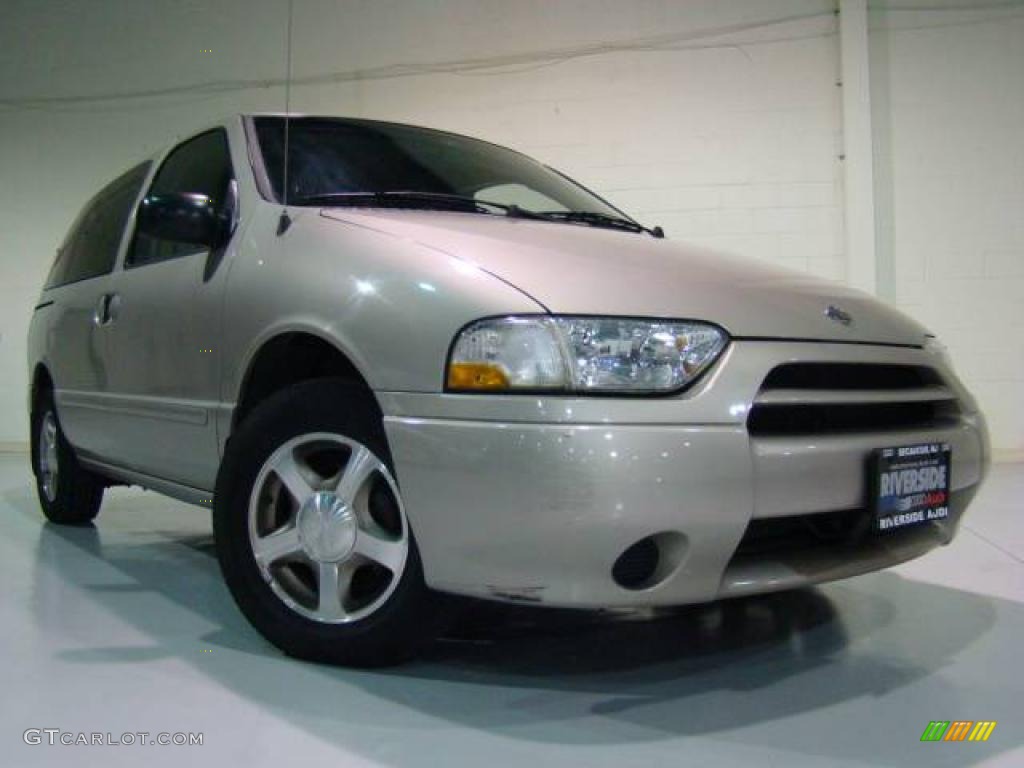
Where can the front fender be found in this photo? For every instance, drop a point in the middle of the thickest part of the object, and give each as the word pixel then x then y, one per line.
pixel 392 306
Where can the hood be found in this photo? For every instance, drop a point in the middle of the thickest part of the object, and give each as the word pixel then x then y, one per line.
pixel 574 269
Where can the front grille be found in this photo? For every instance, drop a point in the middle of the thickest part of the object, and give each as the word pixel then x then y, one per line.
pixel 857 376
pixel 843 398
pixel 840 418
pixel 821 540
pixel 781 535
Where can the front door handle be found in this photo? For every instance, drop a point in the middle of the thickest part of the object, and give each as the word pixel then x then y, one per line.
pixel 106 309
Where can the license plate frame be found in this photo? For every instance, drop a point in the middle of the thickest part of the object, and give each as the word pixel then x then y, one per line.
pixel 910 485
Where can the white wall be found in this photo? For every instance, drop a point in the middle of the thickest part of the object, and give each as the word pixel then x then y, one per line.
pixel 948 103
pixel 731 141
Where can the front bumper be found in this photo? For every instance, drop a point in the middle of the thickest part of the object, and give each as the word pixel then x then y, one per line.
pixel 535 499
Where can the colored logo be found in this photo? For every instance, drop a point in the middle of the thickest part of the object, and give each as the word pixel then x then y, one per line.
pixel 958 730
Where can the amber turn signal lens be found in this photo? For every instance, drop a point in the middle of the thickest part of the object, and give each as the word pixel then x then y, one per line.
pixel 476 376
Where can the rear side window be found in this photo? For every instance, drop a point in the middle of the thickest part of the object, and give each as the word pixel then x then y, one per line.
pixel 201 165
pixel 90 249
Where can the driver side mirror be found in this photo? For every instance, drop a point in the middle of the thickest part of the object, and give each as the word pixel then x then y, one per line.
pixel 182 218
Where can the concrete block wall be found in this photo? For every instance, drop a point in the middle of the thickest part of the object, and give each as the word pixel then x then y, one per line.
pixel 729 140
pixel 948 104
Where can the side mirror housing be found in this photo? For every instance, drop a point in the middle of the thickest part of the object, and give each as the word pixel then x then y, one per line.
pixel 181 218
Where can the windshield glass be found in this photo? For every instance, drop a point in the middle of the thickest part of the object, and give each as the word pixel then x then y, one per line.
pixel 334 156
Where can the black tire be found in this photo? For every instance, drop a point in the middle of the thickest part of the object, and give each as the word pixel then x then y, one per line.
pixel 399 625
pixel 78 494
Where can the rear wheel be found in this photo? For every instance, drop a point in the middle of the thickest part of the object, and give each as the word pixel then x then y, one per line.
pixel 311 532
pixel 68 493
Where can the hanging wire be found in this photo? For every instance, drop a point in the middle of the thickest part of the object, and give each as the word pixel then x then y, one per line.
pixel 508 64
pixel 894 7
pixel 287 107
pixel 482 66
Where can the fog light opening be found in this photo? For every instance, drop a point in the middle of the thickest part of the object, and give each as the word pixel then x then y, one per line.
pixel 649 561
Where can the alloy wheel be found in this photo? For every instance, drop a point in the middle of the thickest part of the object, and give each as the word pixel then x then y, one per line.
pixel 327 528
pixel 47 449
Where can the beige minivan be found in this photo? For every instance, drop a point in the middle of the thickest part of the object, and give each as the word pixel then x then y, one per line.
pixel 399 362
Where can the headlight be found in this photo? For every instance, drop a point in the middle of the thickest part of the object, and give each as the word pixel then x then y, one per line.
pixel 581 354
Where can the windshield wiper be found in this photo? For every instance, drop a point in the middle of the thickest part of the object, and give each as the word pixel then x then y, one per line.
pixel 466 203
pixel 442 199
pixel 594 219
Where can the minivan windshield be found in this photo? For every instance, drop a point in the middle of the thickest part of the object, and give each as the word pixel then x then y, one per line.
pixel 341 161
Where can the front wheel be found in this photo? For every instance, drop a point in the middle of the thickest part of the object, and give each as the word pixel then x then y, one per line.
pixel 311 533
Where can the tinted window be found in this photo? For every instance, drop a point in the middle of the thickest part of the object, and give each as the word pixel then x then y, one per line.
pixel 90 249
pixel 344 156
pixel 199 166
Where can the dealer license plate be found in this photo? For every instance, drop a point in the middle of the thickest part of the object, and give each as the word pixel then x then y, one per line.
pixel 911 485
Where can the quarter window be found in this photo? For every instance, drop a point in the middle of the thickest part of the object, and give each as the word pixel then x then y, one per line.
pixel 201 165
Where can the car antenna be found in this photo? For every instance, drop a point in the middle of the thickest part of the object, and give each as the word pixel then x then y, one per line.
pixel 285 221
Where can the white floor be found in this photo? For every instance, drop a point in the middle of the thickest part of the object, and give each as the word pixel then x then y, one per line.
pixel 126 627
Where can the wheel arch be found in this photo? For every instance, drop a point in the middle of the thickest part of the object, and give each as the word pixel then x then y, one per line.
pixel 289 357
pixel 42 380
